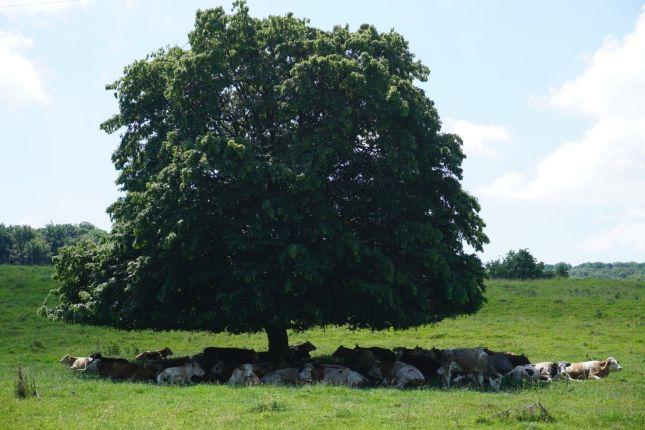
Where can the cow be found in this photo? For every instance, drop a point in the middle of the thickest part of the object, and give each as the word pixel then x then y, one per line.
pixel 466 361
pixel 119 369
pixel 93 366
pixel 525 371
pixel 288 376
pixel 158 366
pixel 422 359
pixel 76 363
pixel 381 354
pixel 359 357
pixel 221 362
pixel 180 375
pixel 401 374
pixel 504 362
pixel 301 352
pixel 593 369
pixel 154 355
pixel 332 375
pixel 243 375
pixel 551 370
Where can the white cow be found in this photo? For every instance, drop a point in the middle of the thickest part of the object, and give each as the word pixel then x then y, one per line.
pixel 76 363
pixel 181 374
pixel 332 375
pixel 244 375
pixel 526 371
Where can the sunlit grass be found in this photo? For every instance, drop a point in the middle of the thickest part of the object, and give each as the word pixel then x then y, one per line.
pixel 547 320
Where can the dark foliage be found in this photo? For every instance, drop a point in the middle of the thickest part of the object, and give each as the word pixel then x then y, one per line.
pixel 277 176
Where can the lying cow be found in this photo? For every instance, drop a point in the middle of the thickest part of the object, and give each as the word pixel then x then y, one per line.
pixel 593 369
pixel 401 374
pixel 504 362
pixel 524 372
pixel 332 375
pixel 158 366
pixel 119 369
pixel 180 375
pixel 76 363
pixel 466 361
pixel 302 351
pixel 552 370
pixel 422 359
pixel 243 375
pixel 381 354
pixel 220 363
pixel 154 355
pixel 288 376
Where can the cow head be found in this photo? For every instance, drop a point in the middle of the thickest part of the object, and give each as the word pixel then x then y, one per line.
pixel 166 352
pixel 68 360
pixel 310 374
pixel 613 365
pixel 306 347
pixel 196 369
pixel 245 375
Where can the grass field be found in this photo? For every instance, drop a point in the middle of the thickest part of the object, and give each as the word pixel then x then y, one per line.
pixel 548 320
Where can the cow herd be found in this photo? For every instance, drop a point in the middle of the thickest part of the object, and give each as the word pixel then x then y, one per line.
pixel 354 367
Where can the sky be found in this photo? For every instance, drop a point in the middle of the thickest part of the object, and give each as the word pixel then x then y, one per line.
pixel 549 98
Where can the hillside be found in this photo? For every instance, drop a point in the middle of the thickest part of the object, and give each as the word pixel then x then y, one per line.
pixel 560 319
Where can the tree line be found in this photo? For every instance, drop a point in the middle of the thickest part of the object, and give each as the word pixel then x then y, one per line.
pixel 22 244
pixel 521 264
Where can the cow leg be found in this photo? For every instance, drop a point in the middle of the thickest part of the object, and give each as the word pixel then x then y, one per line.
pixel 480 379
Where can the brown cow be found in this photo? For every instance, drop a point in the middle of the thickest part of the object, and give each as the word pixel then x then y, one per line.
pixel 593 369
pixel 119 369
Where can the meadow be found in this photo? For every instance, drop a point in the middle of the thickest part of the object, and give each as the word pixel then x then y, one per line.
pixel 558 319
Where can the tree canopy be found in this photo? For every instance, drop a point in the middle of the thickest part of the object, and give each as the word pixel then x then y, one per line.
pixel 278 176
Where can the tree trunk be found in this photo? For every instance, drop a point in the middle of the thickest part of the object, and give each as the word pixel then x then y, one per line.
pixel 278 342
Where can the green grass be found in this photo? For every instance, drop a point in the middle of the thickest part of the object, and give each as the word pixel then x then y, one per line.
pixel 548 320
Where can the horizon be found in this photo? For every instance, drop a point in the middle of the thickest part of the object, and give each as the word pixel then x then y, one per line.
pixel 549 105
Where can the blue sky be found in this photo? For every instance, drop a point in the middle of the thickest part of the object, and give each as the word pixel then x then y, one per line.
pixel 549 98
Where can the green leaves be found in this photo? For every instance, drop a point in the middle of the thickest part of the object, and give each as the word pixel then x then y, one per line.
pixel 276 174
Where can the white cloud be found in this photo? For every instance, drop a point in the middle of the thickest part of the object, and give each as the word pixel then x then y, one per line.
pixel 604 169
pixel 606 164
pixel 613 85
pixel 629 233
pixel 479 139
pixel 20 82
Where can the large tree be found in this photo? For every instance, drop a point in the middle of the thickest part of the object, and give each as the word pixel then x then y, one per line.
pixel 277 176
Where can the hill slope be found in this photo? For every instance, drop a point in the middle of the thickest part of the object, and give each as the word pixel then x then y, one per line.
pixel 548 320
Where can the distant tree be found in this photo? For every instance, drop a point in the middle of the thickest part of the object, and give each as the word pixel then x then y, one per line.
pixel 277 176
pixel 516 265
pixel 5 244
pixel 561 270
pixel 627 270
pixel 28 245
